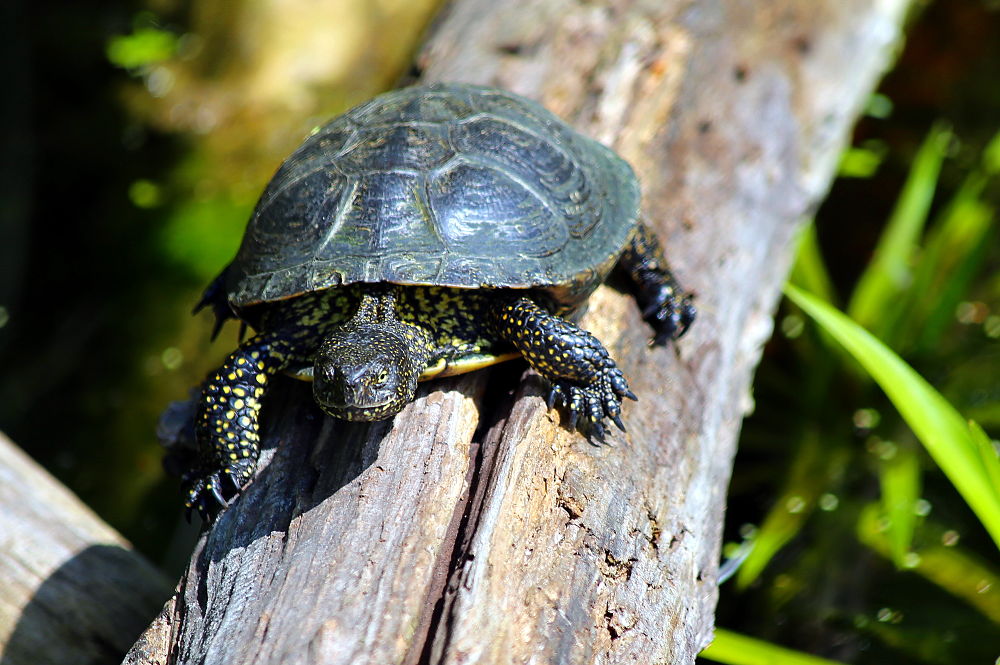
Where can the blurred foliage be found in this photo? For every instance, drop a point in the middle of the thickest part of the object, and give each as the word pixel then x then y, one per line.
pixel 141 134
pixel 144 47
pixel 733 649
pixel 864 552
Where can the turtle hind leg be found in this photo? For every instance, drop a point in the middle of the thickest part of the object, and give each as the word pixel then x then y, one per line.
pixel 582 374
pixel 665 306
pixel 226 426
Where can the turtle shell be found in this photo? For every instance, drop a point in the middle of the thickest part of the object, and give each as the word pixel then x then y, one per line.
pixel 448 185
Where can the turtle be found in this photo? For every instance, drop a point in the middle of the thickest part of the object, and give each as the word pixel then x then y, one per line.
pixel 431 231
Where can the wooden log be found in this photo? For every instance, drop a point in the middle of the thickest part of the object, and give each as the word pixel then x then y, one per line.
pixel 72 590
pixel 474 527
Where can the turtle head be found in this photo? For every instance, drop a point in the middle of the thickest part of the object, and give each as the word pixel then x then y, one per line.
pixel 365 372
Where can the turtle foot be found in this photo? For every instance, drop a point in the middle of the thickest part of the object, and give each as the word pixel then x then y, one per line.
pixel 668 315
pixel 596 401
pixel 209 492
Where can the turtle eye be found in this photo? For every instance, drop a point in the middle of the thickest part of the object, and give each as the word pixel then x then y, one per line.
pixel 382 377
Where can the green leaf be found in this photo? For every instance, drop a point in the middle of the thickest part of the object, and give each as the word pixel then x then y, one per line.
pixel 987 453
pixel 991 155
pixel 888 273
pixel 879 106
pixel 735 649
pixel 809 271
pixel 860 162
pixel 940 428
pixel 899 477
pixel 813 464
pixel 953 569
pixel 953 252
pixel 145 46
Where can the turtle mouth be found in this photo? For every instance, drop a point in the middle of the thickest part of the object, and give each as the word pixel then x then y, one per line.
pixel 367 412
pixel 363 372
pixel 347 402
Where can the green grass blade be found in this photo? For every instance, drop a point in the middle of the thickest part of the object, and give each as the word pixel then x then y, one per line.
pixel 939 427
pixel 860 162
pixel 809 271
pixel 991 155
pixel 953 251
pixel 899 477
pixel 812 465
pixel 958 572
pixel 888 273
pixel 735 649
pixel 988 452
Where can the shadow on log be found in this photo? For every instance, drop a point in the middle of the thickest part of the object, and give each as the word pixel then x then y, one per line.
pixel 72 590
pixel 474 527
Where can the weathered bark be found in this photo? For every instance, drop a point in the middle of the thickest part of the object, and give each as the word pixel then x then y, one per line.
pixel 474 527
pixel 72 591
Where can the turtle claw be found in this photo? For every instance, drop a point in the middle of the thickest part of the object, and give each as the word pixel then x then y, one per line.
pixel 595 402
pixel 204 494
pixel 217 495
pixel 617 420
pixel 554 393
pixel 234 483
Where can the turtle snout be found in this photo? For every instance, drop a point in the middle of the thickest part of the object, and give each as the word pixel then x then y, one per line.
pixel 358 393
pixel 332 387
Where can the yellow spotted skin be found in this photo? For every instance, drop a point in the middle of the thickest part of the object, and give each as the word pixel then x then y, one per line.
pixel 454 319
pixel 665 305
pixel 444 329
pixel 581 372
pixel 367 345
pixel 226 426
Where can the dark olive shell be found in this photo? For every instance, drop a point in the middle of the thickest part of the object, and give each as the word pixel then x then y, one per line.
pixel 448 184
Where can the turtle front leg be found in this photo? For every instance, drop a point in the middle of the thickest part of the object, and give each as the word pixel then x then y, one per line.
pixel 666 307
pixel 582 373
pixel 226 423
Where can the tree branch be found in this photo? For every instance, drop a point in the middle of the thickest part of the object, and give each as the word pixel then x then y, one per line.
pixel 72 591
